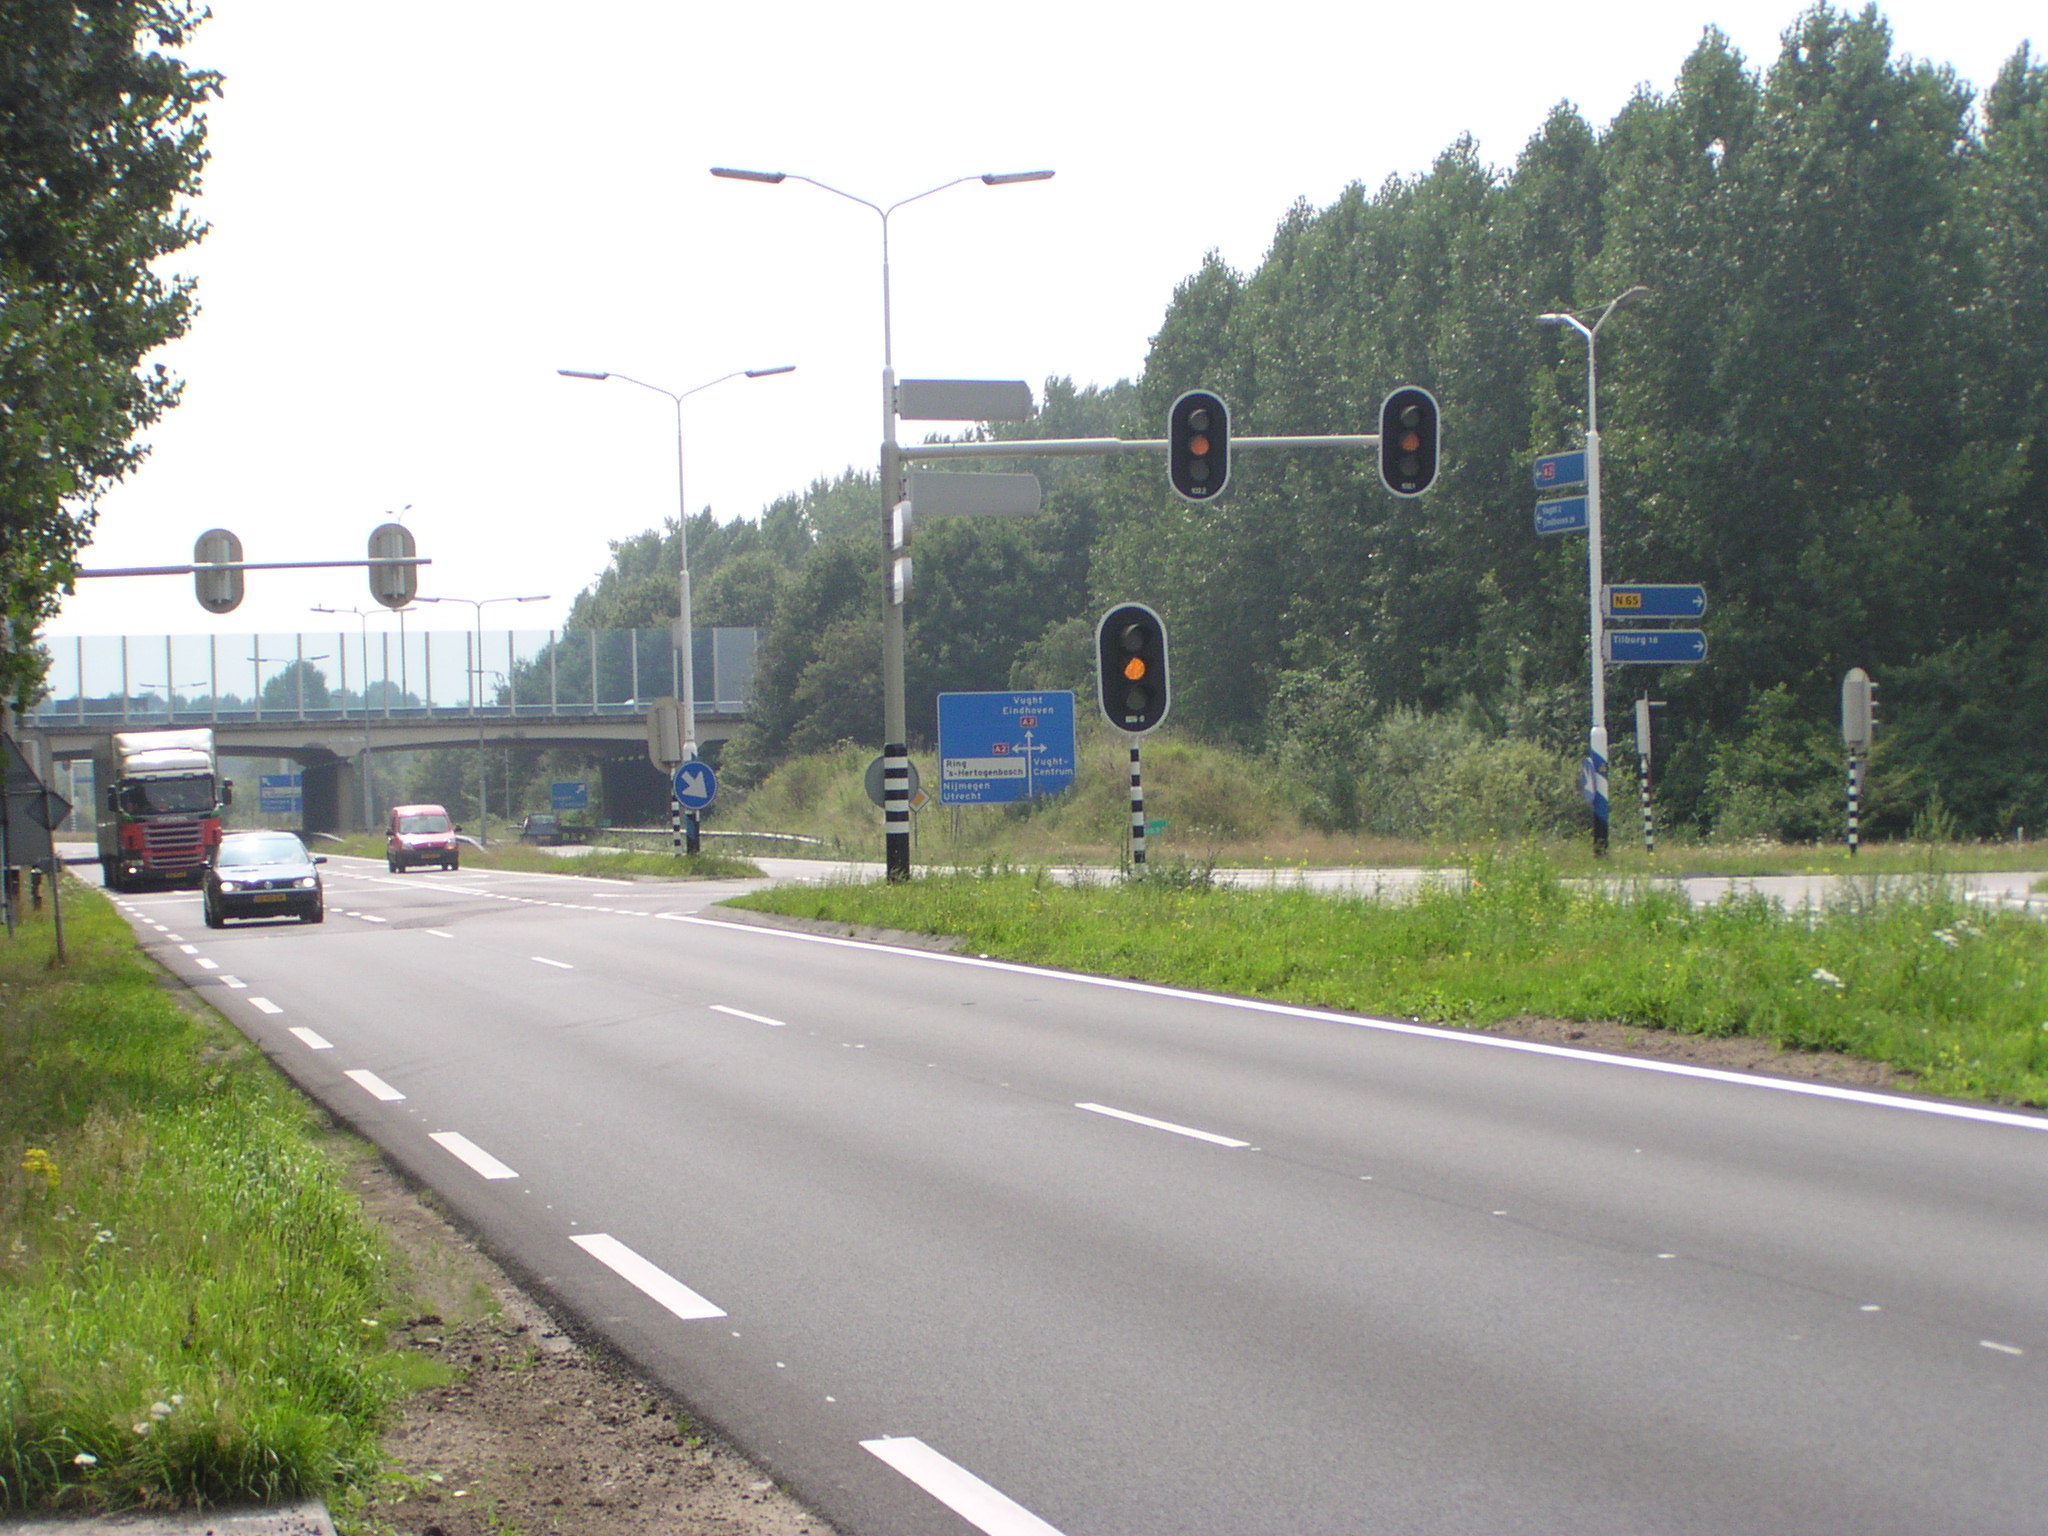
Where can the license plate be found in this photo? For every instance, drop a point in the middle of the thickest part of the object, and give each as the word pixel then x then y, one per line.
pixel 276 896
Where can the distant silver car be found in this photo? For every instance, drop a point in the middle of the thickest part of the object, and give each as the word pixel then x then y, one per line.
pixel 262 874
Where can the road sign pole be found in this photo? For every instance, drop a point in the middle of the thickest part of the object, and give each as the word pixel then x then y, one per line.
pixel 1137 805
pixel 895 728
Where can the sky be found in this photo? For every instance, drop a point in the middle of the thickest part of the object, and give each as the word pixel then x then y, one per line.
pixel 417 219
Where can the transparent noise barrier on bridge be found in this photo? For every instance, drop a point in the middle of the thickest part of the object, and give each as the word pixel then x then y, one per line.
pixel 140 681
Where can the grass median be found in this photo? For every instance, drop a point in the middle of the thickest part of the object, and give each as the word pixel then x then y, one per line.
pixel 190 1302
pixel 1908 974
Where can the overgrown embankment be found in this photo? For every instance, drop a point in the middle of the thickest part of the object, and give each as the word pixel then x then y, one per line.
pixel 189 1298
pixel 1913 977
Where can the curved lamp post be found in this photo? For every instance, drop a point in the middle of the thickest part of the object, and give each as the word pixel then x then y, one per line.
pixel 1597 737
pixel 476 668
pixel 684 634
pixel 895 732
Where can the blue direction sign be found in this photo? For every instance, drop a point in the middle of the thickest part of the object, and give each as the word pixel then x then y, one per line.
pixel 1567 516
pixel 996 748
pixel 1654 647
pixel 569 795
pixel 1555 471
pixel 280 794
pixel 1655 602
pixel 696 785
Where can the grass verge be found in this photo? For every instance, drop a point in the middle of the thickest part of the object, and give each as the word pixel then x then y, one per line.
pixel 1914 977
pixel 188 1295
pixel 602 863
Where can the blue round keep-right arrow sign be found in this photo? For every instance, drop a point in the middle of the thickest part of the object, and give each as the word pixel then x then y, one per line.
pixel 696 786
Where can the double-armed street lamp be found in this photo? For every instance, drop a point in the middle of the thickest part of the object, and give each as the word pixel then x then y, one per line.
pixel 1597 737
pixel 895 731
pixel 685 640
pixel 476 669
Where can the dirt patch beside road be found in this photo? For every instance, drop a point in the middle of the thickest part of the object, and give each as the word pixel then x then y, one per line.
pixel 531 1432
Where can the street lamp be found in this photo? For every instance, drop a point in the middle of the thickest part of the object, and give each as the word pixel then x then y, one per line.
pixel 476 667
pixel 684 635
pixel 1597 737
pixel 895 731
pixel 363 619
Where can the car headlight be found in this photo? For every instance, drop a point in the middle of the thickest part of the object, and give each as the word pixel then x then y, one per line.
pixel 307 882
pixel 231 885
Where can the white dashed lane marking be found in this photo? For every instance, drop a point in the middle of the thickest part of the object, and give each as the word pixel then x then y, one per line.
pixel 741 1013
pixel 264 1005
pixel 560 965
pixel 373 1085
pixel 1163 1125
pixel 985 1508
pixel 459 1145
pixel 646 1276
pixel 313 1040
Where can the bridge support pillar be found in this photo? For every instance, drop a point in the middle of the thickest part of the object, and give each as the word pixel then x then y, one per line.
pixel 321 778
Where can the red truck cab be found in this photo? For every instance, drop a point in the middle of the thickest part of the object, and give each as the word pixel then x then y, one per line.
pixel 420 834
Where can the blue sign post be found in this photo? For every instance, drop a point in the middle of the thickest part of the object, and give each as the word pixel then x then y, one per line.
pixel 696 785
pixel 999 748
pixel 1655 602
pixel 280 794
pixel 1655 647
pixel 1555 471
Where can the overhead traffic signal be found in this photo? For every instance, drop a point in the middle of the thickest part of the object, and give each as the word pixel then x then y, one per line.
pixel 1198 445
pixel 397 583
pixel 1408 441
pixel 1130 650
pixel 219 591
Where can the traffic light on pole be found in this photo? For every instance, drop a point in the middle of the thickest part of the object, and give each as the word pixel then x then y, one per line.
pixel 398 583
pixel 1408 441
pixel 1198 445
pixel 1131 685
pixel 218 591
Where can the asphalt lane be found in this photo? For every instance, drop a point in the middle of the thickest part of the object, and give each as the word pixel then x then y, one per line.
pixel 930 1234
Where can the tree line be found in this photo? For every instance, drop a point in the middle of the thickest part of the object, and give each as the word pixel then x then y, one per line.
pixel 1829 410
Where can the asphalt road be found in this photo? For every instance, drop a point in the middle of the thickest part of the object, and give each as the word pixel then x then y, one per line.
pixel 926 1233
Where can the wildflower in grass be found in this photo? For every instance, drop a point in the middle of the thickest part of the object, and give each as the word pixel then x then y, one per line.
pixel 1948 938
pixel 37 1163
pixel 1828 979
pixel 85 1459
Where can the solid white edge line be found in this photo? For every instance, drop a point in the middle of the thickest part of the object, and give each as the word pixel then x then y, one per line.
pixel 560 965
pixel 313 1041
pixel 646 1276
pixel 373 1085
pixel 741 1013
pixel 1162 1125
pixel 461 1146
pixel 1426 1031
pixel 264 1005
pixel 985 1508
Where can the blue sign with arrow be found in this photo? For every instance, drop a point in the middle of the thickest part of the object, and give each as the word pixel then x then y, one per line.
pixel 1555 471
pixel 696 785
pixel 998 748
pixel 1655 602
pixel 1654 647
pixel 1566 516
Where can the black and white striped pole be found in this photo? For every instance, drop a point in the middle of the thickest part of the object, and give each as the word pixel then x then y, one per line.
pixel 1644 704
pixel 1131 686
pixel 1859 715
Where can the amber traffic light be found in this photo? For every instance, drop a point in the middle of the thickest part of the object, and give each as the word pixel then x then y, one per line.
pixel 1408 441
pixel 1131 684
pixel 1198 445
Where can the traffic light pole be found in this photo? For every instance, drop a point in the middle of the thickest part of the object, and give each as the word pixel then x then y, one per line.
pixel 1137 805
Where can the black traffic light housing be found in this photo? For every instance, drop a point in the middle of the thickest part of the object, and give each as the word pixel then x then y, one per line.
pixel 1198 445
pixel 1408 440
pixel 1130 675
